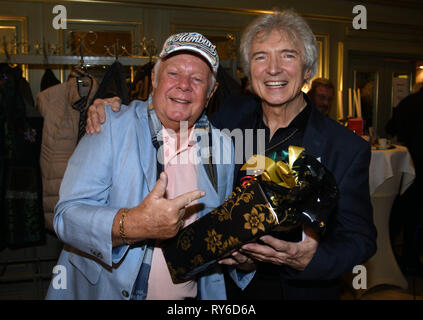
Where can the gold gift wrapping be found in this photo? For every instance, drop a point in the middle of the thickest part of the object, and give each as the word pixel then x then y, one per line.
pixel 243 217
pixel 279 172
pixel 269 198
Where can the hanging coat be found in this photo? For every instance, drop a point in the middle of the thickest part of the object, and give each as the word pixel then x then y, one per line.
pixel 61 106
pixel 21 217
pixel 142 86
pixel 227 87
pixel 48 80
pixel 114 84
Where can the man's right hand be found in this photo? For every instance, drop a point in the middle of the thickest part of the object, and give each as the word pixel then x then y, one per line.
pixel 155 217
pixel 96 114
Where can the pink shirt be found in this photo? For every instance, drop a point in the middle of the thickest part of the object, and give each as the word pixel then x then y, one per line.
pixel 182 178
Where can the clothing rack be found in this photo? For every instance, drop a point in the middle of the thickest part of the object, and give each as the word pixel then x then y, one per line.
pixel 72 60
pixel 81 59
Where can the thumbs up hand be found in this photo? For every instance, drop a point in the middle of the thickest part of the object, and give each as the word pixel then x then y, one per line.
pixel 157 217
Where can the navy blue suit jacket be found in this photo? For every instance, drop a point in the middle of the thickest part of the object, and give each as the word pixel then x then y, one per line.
pixel 351 236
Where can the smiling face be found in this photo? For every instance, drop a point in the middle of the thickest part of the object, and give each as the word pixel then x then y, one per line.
pixel 183 81
pixel 276 68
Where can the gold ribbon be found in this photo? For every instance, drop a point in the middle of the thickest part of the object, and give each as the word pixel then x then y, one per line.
pixel 278 172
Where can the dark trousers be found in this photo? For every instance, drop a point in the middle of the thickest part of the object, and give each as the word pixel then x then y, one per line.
pixel 266 285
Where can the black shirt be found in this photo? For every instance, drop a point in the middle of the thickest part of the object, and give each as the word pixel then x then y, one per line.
pixel 293 134
pixel 265 284
pixel 323 138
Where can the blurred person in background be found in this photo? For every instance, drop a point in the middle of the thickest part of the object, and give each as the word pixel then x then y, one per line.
pixel 321 94
pixel 407 212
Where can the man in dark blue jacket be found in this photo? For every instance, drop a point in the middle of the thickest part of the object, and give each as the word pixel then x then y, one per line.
pixel 351 235
pixel 279 54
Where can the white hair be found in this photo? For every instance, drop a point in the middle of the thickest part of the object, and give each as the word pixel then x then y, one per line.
pixel 288 22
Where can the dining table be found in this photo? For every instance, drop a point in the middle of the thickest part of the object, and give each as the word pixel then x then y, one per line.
pixel 391 172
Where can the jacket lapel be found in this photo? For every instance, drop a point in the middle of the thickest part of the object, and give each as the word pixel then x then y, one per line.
pixel 314 141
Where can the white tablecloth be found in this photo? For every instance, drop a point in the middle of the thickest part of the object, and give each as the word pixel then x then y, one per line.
pixel 386 163
pixel 391 173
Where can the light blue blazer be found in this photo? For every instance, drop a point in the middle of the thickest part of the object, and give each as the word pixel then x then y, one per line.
pixel 117 169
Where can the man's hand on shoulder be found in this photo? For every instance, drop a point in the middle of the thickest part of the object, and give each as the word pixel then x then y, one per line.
pixel 96 114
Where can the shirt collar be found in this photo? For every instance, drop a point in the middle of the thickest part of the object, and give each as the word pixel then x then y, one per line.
pixel 299 122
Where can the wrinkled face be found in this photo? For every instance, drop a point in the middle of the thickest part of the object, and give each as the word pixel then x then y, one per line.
pixel 322 99
pixel 183 81
pixel 276 68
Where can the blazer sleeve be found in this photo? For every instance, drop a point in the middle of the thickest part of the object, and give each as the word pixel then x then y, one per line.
pixel 83 218
pixel 351 239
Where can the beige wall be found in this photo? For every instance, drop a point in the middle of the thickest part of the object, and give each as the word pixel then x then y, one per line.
pixel 395 30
